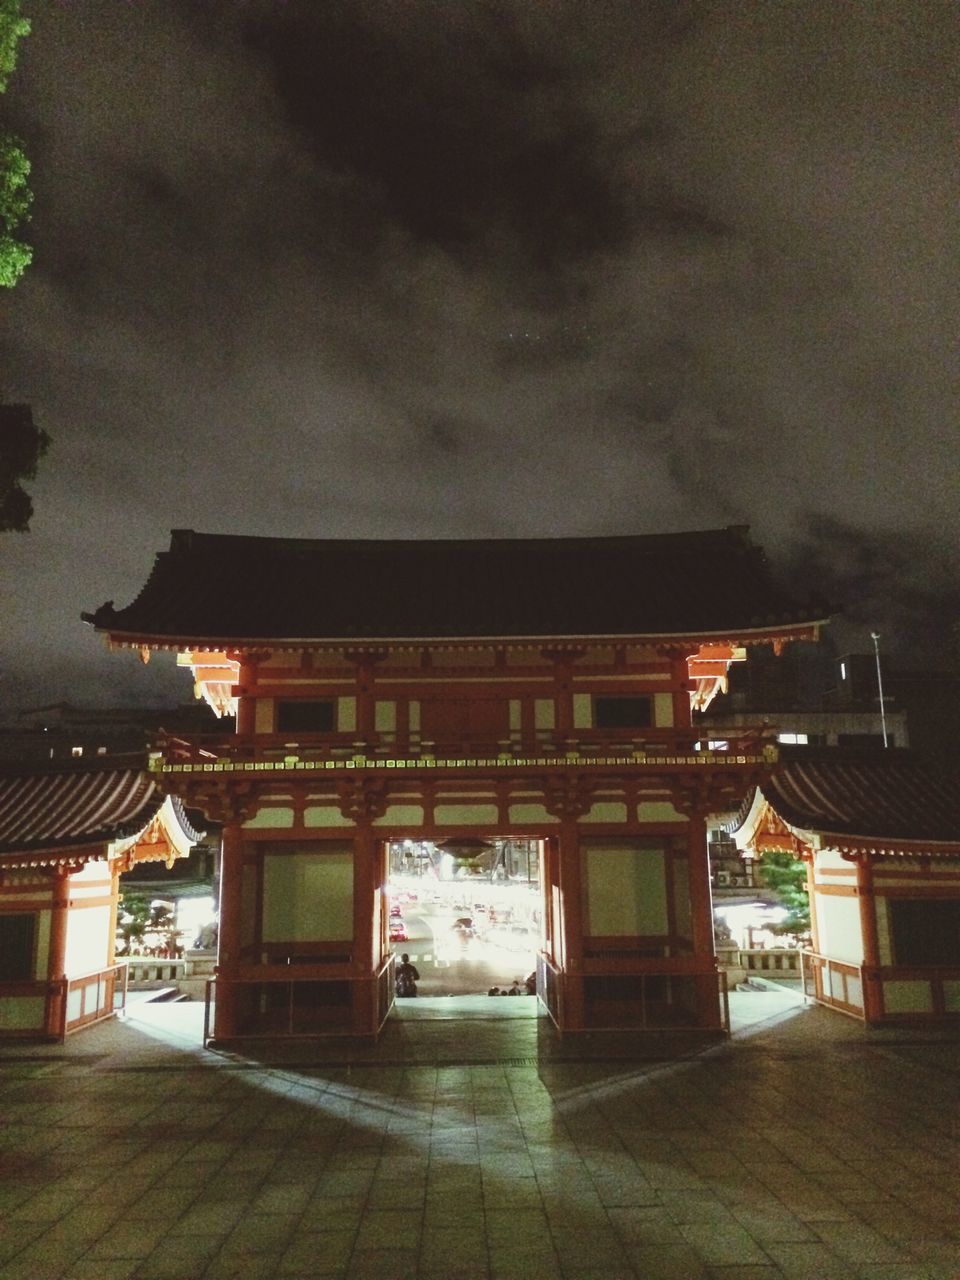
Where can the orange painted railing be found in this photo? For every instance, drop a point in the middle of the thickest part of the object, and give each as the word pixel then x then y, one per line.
pixel 862 991
pixel 549 987
pixel 91 997
pixel 832 982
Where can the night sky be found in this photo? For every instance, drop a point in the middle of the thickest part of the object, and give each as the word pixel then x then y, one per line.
pixel 394 268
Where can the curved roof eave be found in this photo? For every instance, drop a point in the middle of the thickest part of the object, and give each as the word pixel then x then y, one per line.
pixel 744 827
pixel 764 800
pixel 187 835
pixel 756 635
pixel 888 846
pixel 39 851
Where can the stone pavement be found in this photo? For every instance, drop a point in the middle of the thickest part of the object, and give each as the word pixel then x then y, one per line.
pixel 805 1147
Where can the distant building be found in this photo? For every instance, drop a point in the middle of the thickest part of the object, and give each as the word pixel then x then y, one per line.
pixel 930 702
pixel 62 731
pixel 810 697
pixel 814 697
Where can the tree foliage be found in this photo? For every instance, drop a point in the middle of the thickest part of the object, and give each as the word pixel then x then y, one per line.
pixel 22 445
pixel 15 195
pixel 13 25
pixel 786 877
pixel 137 918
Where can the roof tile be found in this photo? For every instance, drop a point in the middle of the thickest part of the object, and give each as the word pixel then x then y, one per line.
pixel 211 587
pixel 55 808
pixel 892 795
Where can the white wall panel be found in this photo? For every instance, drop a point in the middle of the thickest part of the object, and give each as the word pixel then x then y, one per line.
pixel 838 926
pixel 308 896
pixel 88 940
pixel 625 888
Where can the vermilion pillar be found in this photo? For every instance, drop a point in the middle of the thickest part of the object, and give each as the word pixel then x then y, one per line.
pixel 114 911
pixel 366 664
pixel 244 691
pixel 681 685
pixel 57 955
pixel 701 918
pixel 366 884
pixel 872 987
pixel 229 931
pixel 571 898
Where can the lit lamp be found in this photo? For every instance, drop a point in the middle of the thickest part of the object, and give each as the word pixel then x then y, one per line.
pixel 465 849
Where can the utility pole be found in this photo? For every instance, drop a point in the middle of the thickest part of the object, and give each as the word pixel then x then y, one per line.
pixel 875 637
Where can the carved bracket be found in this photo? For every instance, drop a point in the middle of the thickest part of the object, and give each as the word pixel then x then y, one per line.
pixel 362 799
pixel 568 797
pixel 708 794
pixel 221 800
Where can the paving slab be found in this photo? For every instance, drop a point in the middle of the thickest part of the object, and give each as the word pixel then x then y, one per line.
pixel 803 1147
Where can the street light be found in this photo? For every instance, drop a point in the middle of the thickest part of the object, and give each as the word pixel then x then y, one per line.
pixel 875 637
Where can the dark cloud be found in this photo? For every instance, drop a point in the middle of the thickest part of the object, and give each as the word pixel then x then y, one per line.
pixel 381 267
pixel 464 122
pixel 903 584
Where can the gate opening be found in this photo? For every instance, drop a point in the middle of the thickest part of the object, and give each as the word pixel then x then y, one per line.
pixel 469 914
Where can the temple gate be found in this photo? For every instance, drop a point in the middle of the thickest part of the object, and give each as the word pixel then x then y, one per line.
pixel 460 690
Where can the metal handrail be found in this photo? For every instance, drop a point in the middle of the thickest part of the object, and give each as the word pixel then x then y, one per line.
pixel 545 963
pixel 209 995
pixel 208 998
pixel 387 964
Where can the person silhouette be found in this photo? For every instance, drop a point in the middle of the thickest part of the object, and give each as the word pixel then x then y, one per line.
pixel 407 977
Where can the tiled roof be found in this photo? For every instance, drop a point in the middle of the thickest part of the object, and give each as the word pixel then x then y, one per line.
pixel 882 795
pixel 211 587
pixel 49 809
